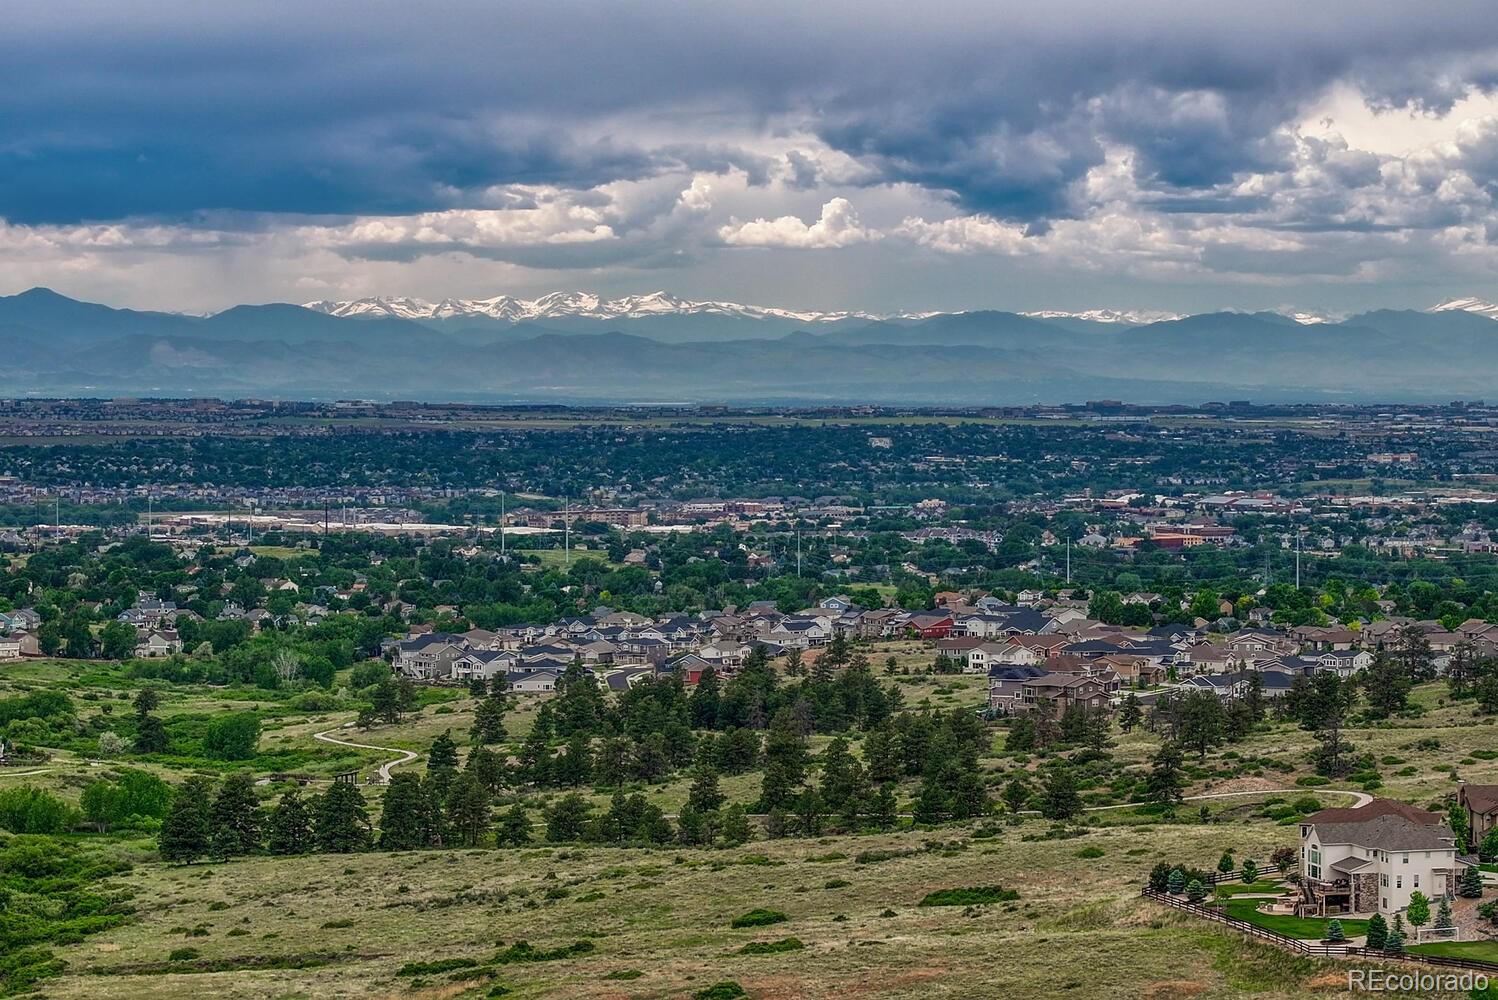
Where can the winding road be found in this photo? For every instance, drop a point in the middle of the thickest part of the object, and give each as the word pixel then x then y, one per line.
pixel 405 756
pixel 1361 798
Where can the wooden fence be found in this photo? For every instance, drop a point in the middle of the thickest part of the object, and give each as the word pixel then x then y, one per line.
pixel 1317 949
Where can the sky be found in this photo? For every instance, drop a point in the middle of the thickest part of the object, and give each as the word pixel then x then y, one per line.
pixel 1186 157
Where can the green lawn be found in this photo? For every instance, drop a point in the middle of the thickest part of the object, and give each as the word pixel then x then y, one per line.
pixel 1239 888
pixel 1482 951
pixel 1306 928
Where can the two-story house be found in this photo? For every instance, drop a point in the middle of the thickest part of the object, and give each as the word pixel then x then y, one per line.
pixel 1373 857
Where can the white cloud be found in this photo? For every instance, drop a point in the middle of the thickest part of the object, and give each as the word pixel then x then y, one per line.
pixel 838 226
pixel 965 234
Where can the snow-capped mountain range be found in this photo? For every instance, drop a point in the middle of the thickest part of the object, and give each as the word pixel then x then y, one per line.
pixel 582 305
pixel 587 305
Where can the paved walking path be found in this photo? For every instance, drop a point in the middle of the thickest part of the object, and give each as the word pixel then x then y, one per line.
pixel 405 756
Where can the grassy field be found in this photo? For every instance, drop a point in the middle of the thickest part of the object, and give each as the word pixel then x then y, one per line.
pixel 658 921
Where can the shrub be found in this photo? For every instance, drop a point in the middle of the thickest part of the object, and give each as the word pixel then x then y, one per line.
pixel 30 810
pixel 759 918
pixel 1307 804
pixel 1091 852
pixel 771 947
pixel 971 896
pixel 232 737
pixel 1195 891
pixel 183 954
pixel 726 990
pixel 440 965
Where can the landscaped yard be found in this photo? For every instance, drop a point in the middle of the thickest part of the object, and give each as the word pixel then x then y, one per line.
pixel 1240 888
pixel 1306 928
pixel 1483 951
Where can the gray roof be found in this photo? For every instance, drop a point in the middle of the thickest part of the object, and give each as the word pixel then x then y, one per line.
pixel 1388 833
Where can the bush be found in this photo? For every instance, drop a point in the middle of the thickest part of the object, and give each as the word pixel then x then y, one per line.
pixel 1307 804
pixel 759 918
pixel 232 737
pixel 1091 852
pixel 440 965
pixel 726 990
pixel 971 896
pixel 771 947
pixel 30 810
pixel 183 954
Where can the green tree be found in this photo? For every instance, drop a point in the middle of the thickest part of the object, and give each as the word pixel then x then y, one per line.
pixel 514 827
pixel 1377 933
pixel 234 736
pixel 1130 713
pixel 1225 864
pixel 1334 931
pixel 1195 891
pixel 442 766
pixel 785 763
pixel 705 795
pixel 489 719
pixel 567 819
pixel 1250 871
pixel 290 825
pixel 405 814
pixel 236 818
pixel 1058 797
pixel 468 810
pixel 1470 886
pixel 1165 781
pixel 340 820
pixel 187 832
pixel 117 641
pixel 1418 912
pixel 1016 795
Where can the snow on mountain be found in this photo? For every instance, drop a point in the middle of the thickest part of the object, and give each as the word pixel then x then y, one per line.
pixel 1471 305
pixel 573 304
pixel 1132 317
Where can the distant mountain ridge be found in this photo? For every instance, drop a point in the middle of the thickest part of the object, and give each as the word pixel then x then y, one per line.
pixel 656 349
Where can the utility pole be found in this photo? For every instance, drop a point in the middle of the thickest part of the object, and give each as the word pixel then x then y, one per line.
pixel 566 533
pixel 326 507
pixel 798 552
pixel 1068 561
pixel 501 522
pixel 149 512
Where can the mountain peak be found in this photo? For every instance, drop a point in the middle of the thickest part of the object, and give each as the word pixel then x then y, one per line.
pixel 584 305
pixel 1472 305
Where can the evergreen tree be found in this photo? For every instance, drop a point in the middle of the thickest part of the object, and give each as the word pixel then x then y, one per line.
pixel 1129 713
pixel 1021 735
pixel 1443 916
pixel 487 767
pixel 514 827
pixel 150 731
pixel 1059 798
pixel 1470 886
pixel 290 825
pixel 574 766
pixel 1388 685
pixel 881 754
pixel 837 774
pixel 236 818
pixel 442 766
pixel 489 719
pixel 1377 933
pixel 705 699
pixel 340 821
pixel 1195 891
pixel 187 831
pixel 567 819
pixel 884 811
pixel 785 763
pixel 1394 943
pixel 404 813
pixel 1250 871
pixel 1165 781
pixel 1176 884
pixel 535 758
pixel 736 825
pixel 1334 931
pixel 1016 795
pixel 468 810
pixel 969 796
pixel 931 804
pixel 705 795
pixel 1226 865
pixel 1202 721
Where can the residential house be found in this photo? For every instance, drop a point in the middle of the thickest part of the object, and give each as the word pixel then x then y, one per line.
pixel 157 642
pixel 1481 803
pixel 428 656
pixel 1063 690
pixel 1006 686
pixel 483 664
pixel 1373 857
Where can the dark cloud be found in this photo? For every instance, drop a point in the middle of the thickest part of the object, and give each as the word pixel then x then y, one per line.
pixel 384 107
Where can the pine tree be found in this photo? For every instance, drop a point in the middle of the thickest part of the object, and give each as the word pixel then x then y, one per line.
pixel 881 754
pixel 705 700
pixel 1225 864
pixel 290 825
pixel 404 814
pixel 488 767
pixel 468 810
pixel 837 768
pixel 705 795
pixel 150 731
pixel 1176 883
pixel 785 763
pixel 1016 795
pixel 1470 886
pixel 1443 915
pixel 1394 943
pixel 236 818
pixel 1377 933
pixel 1165 781
pixel 340 820
pixel 489 719
pixel 187 831
pixel 514 827
pixel 1129 713
pixel 1059 798
pixel 535 758
pixel 1250 871
pixel 1334 931
pixel 931 804
pixel 1195 891
pixel 442 765
pixel 736 825
pixel 567 819
pixel 574 767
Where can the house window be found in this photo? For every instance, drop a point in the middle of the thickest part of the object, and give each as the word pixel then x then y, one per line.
pixel 1399 881
pixel 1417 881
pixel 1383 880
